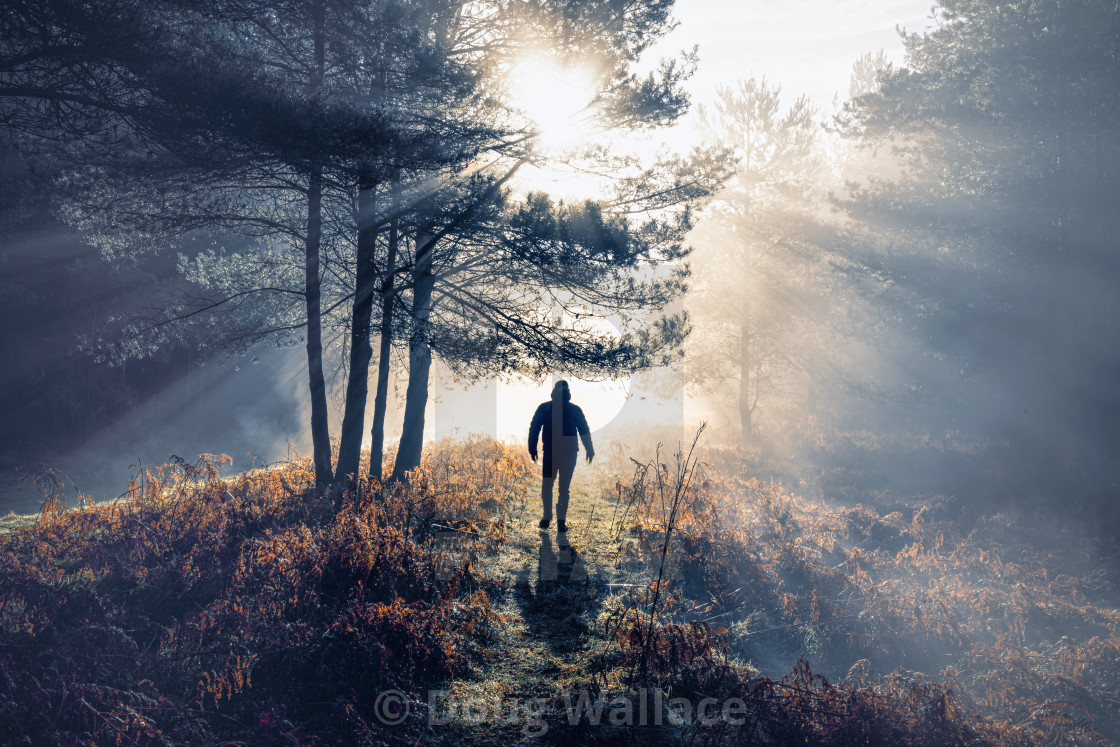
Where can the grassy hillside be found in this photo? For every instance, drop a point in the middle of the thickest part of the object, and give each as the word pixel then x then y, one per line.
pixel 687 601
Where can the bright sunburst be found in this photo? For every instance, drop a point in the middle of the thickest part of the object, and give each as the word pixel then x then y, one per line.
pixel 557 98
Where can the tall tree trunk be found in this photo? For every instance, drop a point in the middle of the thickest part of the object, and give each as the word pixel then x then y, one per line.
pixel 320 425
pixel 419 350
pixel 419 363
pixel 388 298
pixel 361 352
pixel 745 405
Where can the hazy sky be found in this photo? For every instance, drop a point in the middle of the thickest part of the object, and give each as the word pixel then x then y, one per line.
pixel 808 46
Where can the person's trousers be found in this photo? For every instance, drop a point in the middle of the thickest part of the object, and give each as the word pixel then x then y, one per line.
pixel 559 458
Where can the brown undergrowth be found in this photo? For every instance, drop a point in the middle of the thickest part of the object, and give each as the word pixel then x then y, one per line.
pixel 931 628
pixel 244 610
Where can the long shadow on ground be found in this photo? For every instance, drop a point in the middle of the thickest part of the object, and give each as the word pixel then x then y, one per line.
pixel 556 600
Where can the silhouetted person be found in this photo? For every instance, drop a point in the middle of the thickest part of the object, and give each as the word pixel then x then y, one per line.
pixel 560 425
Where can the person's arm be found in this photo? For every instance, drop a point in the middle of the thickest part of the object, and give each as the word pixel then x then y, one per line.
pixel 584 434
pixel 535 431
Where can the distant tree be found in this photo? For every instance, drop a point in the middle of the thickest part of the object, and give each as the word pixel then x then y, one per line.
pixel 761 258
pixel 866 71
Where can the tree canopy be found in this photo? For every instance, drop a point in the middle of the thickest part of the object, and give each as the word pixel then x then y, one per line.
pixel 309 155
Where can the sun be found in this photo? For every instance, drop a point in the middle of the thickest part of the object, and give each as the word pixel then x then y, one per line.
pixel 558 99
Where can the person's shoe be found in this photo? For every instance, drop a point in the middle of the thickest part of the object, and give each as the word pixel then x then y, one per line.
pixel 544 523
pixel 561 526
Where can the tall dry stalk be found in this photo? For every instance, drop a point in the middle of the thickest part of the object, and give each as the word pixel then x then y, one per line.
pixel 671 494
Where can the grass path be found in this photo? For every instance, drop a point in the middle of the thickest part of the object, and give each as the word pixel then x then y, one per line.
pixel 551 606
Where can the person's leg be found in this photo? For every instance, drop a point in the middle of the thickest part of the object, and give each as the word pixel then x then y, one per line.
pixel 548 476
pixel 567 470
